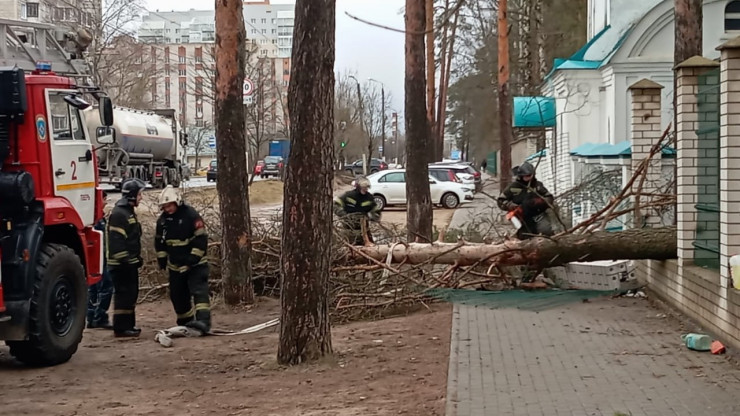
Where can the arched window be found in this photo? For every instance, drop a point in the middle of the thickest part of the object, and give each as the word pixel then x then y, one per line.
pixel 732 16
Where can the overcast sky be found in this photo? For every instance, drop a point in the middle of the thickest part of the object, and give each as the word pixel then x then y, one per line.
pixel 369 51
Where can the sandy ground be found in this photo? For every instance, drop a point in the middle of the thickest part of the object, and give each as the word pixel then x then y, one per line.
pixel 397 216
pixel 396 366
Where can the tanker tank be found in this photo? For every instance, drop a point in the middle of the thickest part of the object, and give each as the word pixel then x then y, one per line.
pixel 140 133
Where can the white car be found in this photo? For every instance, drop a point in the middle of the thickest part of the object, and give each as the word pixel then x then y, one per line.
pixel 389 188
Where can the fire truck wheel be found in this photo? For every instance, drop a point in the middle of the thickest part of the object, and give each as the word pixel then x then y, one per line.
pixel 58 307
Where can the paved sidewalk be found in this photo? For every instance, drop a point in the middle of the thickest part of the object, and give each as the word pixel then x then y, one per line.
pixel 597 358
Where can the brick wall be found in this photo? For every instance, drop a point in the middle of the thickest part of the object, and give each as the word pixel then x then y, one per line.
pixel 646 131
pixel 702 293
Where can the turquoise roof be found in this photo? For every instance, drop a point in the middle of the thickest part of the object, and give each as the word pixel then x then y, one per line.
pixel 534 112
pixel 541 153
pixel 623 148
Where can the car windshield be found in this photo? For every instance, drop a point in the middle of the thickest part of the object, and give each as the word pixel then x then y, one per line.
pixel 214 163
pixel 272 159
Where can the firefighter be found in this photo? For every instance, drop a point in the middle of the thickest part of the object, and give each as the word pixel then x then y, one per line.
pixel 355 207
pixel 529 199
pixel 181 242
pixel 124 257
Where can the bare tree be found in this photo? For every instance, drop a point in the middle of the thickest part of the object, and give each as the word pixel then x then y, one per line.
pixel 233 194
pixel 305 258
pixel 126 69
pixel 419 213
pixel 198 137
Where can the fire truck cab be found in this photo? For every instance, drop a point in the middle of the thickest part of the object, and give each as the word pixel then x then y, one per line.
pixel 49 203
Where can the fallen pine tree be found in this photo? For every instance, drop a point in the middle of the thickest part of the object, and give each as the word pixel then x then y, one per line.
pixel 633 244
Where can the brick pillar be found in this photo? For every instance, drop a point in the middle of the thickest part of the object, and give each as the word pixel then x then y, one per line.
pixel 646 130
pixel 687 146
pixel 729 138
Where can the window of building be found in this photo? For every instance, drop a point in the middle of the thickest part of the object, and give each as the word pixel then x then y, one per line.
pixel 199 122
pixel 183 85
pixel 274 31
pixel 264 20
pixel 253 20
pixel 264 31
pixel 181 59
pixel 32 9
pixel 274 41
pixel 166 55
pixel 263 41
pixel 254 31
pixel 263 52
pixel 732 16
pixel 182 72
pixel 273 21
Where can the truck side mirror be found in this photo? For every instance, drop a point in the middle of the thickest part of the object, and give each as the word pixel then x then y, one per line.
pixel 106 111
pixel 105 135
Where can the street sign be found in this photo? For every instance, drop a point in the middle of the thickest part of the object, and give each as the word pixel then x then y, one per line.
pixel 455 154
pixel 380 149
pixel 212 142
pixel 247 91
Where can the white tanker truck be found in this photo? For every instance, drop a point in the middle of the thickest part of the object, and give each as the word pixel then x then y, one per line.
pixel 147 145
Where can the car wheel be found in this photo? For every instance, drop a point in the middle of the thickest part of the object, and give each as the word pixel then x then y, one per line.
pixel 379 202
pixel 450 200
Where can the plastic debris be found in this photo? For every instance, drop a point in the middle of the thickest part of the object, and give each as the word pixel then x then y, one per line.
pixel 718 348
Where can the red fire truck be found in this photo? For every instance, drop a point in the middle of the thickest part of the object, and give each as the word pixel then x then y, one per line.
pixel 49 196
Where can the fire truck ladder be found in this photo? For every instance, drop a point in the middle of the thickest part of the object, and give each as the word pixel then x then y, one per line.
pixel 24 44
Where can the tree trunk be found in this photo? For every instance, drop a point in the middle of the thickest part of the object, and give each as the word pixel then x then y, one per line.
pixel 305 258
pixel 236 267
pixel 633 244
pixel 445 73
pixel 504 103
pixel 436 154
pixel 419 203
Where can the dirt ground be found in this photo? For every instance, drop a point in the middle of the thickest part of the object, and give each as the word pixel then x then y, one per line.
pixel 397 216
pixel 395 366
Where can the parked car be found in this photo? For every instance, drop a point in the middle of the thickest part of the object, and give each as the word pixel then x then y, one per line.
pixel 376 165
pixel 389 188
pixel 258 167
pixel 212 173
pixel 273 167
pixel 462 168
pixel 452 173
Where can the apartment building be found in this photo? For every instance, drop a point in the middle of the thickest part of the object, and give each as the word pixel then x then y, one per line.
pixel 69 13
pixel 183 55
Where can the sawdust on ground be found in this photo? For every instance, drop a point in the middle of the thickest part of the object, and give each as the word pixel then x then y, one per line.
pixel 392 366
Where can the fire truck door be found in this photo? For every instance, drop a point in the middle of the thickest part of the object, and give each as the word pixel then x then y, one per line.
pixel 71 154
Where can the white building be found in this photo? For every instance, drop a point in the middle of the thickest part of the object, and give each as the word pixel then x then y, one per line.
pixel 184 54
pixel 628 41
pixel 70 13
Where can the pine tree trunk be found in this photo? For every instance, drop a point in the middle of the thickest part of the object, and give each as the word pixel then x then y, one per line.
pixel 504 101
pixel 418 145
pixel 305 333
pixel 633 244
pixel 236 267
pixel 436 154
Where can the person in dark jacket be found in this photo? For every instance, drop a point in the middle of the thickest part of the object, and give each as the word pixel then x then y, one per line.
pixel 529 199
pixel 181 242
pixel 355 207
pixel 124 257
pixel 100 294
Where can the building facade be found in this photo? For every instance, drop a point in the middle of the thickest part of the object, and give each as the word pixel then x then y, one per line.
pixel 183 54
pixel 69 13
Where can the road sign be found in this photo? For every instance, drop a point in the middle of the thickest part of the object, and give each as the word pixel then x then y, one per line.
pixel 212 142
pixel 380 149
pixel 455 154
pixel 247 91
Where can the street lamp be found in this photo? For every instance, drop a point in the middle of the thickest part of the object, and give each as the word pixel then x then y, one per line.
pixel 382 98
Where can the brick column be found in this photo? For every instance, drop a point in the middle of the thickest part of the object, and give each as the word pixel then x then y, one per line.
pixel 687 145
pixel 729 138
pixel 646 130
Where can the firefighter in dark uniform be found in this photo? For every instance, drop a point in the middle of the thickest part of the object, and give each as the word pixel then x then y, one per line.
pixel 529 198
pixel 181 242
pixel 124 257
pixel 355 207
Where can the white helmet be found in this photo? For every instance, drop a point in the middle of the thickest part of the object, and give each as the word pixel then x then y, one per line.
pixel 362 183
pixel 169 194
